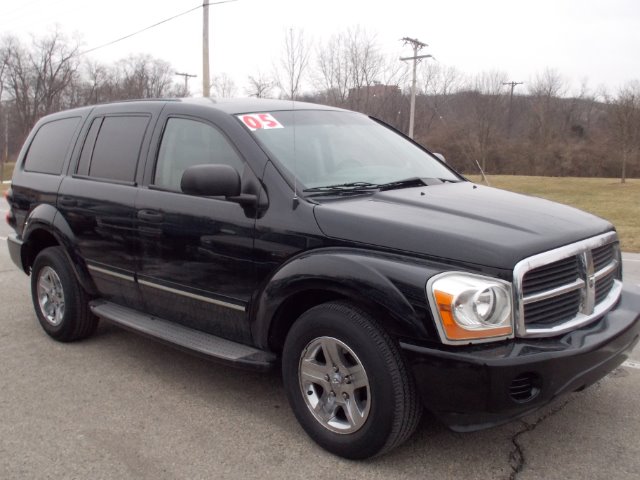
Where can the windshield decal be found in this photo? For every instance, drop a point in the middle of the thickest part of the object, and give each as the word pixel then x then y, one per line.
pixel 258 121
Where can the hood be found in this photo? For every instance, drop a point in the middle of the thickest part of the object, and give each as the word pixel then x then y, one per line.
pixel 458 221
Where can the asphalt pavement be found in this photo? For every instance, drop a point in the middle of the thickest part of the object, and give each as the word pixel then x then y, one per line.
pixel 120 406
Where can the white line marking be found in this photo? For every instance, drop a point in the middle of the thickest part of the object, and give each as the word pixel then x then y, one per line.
pixel 7 181
pixel 3 238
pixel 629 260
pixel 631 364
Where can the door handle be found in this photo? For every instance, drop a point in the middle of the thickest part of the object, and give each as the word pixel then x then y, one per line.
pixel 150 215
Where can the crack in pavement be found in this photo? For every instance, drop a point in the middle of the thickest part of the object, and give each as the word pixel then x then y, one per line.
pixel 517 460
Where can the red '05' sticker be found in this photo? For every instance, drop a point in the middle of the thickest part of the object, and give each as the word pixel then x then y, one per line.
pixel 257 121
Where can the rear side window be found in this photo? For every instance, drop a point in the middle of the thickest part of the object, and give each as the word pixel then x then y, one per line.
pixel 49 147
pixel 117 147
pixel 87 148
pixel 189 142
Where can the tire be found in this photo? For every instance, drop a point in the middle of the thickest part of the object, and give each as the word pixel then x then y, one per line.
pixel 369 404
pixel 61 304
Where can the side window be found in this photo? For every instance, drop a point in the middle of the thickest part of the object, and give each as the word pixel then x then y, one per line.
pixel 87 148
pixel 50 146
pixel 189 142
pixel 116 150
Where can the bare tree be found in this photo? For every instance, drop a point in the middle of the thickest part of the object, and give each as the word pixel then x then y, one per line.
pixel 352 72
pixel 37 78
pixel 293 63
pixel 545 90
pixel 98 83
pixel 626 124
pixel 487 111
pixel 260 86
pixel 333 70
pixel 223 86
pixel 366 67
pixel 143 76
pixel 438 85
pixel 5 52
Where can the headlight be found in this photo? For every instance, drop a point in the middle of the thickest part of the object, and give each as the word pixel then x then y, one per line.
pixel 470 308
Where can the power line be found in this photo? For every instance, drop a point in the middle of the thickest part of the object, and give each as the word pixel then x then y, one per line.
pixel 140 31
pixel 21 7
pixel 153 26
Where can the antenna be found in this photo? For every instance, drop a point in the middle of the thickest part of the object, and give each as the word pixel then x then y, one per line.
pixel 295 201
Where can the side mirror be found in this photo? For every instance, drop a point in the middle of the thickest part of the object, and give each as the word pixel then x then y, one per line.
pixel 440 157
pixel 212 180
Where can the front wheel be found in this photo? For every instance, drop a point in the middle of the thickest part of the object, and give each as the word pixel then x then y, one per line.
pixel 347 382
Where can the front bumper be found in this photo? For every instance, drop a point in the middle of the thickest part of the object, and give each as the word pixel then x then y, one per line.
pixel 480 386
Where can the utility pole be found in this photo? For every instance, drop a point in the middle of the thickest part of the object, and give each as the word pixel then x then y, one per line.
pixel 186 80
pixel 417 45
pixel 206 83
pixel 512 85
pixel 206 80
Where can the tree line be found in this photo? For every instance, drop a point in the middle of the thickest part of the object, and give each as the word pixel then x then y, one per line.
pixel 543 129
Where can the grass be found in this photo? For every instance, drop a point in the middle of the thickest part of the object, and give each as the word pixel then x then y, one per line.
pixel 605 197
pixel 6 175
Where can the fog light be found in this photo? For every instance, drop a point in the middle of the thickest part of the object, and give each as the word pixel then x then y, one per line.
pixel 525 387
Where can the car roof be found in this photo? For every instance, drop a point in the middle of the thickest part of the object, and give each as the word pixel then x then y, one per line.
pixel 249 105
pixel 228 106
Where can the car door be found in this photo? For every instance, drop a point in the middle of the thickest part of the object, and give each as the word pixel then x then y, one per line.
pixel 196 253
pixel 97 199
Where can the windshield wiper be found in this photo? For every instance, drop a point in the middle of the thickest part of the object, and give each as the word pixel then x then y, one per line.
pixel 360 187
pixel 407 182
pixel 344 187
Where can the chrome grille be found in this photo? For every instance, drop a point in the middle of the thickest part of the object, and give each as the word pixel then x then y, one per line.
pixel 602 256
pixel 551 276
pixel 554 310
pixel 604 285
pixel 565 288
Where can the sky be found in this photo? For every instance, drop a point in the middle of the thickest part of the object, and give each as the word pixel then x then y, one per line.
pixel 594 40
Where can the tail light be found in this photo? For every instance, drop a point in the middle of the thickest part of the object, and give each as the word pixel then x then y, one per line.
pixel 9 217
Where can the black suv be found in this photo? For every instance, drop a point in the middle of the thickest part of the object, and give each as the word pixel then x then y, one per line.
pixel 264 233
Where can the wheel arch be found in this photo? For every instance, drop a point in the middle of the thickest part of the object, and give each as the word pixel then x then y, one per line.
pixel 320 277
pixel 45 228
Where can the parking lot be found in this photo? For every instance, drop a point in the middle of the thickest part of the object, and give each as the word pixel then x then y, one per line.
pixel 120 406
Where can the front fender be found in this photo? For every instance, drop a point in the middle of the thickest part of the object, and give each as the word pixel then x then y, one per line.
pixel 393 284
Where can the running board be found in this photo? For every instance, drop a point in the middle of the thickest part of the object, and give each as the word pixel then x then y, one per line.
pixel 183 337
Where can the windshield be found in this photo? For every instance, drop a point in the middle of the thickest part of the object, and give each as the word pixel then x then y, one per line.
pixel 336 148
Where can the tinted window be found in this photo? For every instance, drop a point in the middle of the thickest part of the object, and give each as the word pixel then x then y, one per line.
pixel 50 145
pixel 115 154
pixel 186 143
pixel 87 148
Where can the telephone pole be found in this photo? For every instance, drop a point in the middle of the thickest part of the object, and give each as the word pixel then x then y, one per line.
pixel 186 80
pixel 417 45
pixel 512 85
pixel 206 83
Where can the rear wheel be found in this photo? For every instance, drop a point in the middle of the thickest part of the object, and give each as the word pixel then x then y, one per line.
pixel 347 382
pixel 62 306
